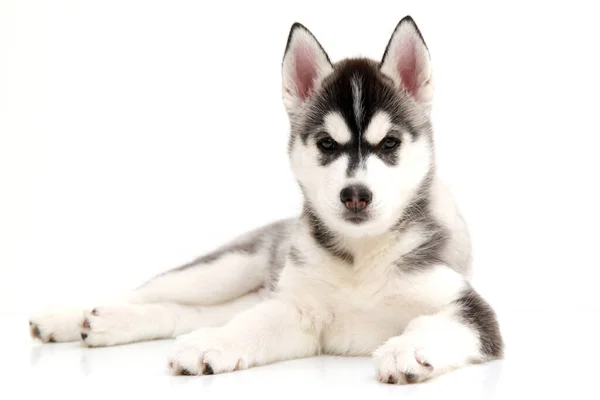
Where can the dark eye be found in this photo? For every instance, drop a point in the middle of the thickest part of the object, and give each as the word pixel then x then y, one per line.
pixel 389 143
pixel 327 144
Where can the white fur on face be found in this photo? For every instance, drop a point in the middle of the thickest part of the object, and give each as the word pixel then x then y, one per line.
pixel 392 186
pixel 336 127
pixel 322 184
pixel 379 126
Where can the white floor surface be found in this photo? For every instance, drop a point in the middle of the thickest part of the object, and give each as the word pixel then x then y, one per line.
pixel 551 353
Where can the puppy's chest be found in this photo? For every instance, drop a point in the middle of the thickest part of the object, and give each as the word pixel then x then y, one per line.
pixel 363 314
pixel 359 305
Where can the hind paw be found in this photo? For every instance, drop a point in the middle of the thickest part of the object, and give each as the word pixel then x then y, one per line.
pixel 58 325
pixel 109 326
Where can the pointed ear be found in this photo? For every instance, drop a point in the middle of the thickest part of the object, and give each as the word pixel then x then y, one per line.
pixel 305 64
pixel 406 61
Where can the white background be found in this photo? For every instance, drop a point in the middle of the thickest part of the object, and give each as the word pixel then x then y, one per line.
pixel 136 135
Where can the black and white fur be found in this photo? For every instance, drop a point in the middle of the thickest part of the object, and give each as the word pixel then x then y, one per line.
pixel 379 269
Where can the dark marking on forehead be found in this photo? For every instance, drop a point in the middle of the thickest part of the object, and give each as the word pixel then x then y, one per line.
pixel 357 90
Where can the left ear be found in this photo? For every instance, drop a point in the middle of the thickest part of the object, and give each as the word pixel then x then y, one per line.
pixel 406 61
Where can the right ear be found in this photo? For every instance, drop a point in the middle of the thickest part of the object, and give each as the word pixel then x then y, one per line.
pixel 305 64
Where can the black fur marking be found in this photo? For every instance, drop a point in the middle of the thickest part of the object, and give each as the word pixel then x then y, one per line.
pixel 377 93
pixel 324 237
pixel 478 314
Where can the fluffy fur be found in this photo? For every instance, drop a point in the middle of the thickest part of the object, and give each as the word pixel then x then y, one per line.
pixel 377 264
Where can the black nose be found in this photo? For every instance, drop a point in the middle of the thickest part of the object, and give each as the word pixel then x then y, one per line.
pixel 356 197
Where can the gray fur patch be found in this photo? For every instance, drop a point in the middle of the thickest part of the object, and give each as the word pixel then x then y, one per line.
pixel 478 314
pixel 278 250
pixel 246 247
pixel 324 237
pixel 270 236
pixel 429 253
pixel 296 257
pixel 417 214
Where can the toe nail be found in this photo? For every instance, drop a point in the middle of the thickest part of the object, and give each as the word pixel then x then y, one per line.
pixel 410 377
pixel 86 324
pixel 208 369
pixel 35 332
pixel 185 372
pixel 391 379
pixel 30 323
pixel 238 365
pixel 51 339
pixel 424 364
pixel 95 311
pixel 84 335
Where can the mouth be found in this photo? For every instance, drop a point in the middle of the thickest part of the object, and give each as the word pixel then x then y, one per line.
pixel 356 218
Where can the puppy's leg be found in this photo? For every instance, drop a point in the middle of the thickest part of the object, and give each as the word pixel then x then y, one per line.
pixel 204 283
pixel 107 326
pixel 272 331
pixel 207 281
pixel 241 267
pixel 464 331
pixel 56 324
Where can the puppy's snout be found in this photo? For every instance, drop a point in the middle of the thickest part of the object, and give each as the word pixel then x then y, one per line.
pixel 356 197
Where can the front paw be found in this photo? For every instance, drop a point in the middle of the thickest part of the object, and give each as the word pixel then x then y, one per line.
pixel 400 361
pixel 206 351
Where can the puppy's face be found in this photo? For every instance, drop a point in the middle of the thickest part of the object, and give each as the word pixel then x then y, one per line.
pixel 360 145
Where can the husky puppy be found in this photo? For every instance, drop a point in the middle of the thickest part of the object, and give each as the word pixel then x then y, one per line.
pixel 377 264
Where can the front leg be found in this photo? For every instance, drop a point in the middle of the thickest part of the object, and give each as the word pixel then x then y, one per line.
pixel 271 331
pixel 463 332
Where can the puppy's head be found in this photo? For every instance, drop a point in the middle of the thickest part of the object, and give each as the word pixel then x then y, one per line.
pixel 360 143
